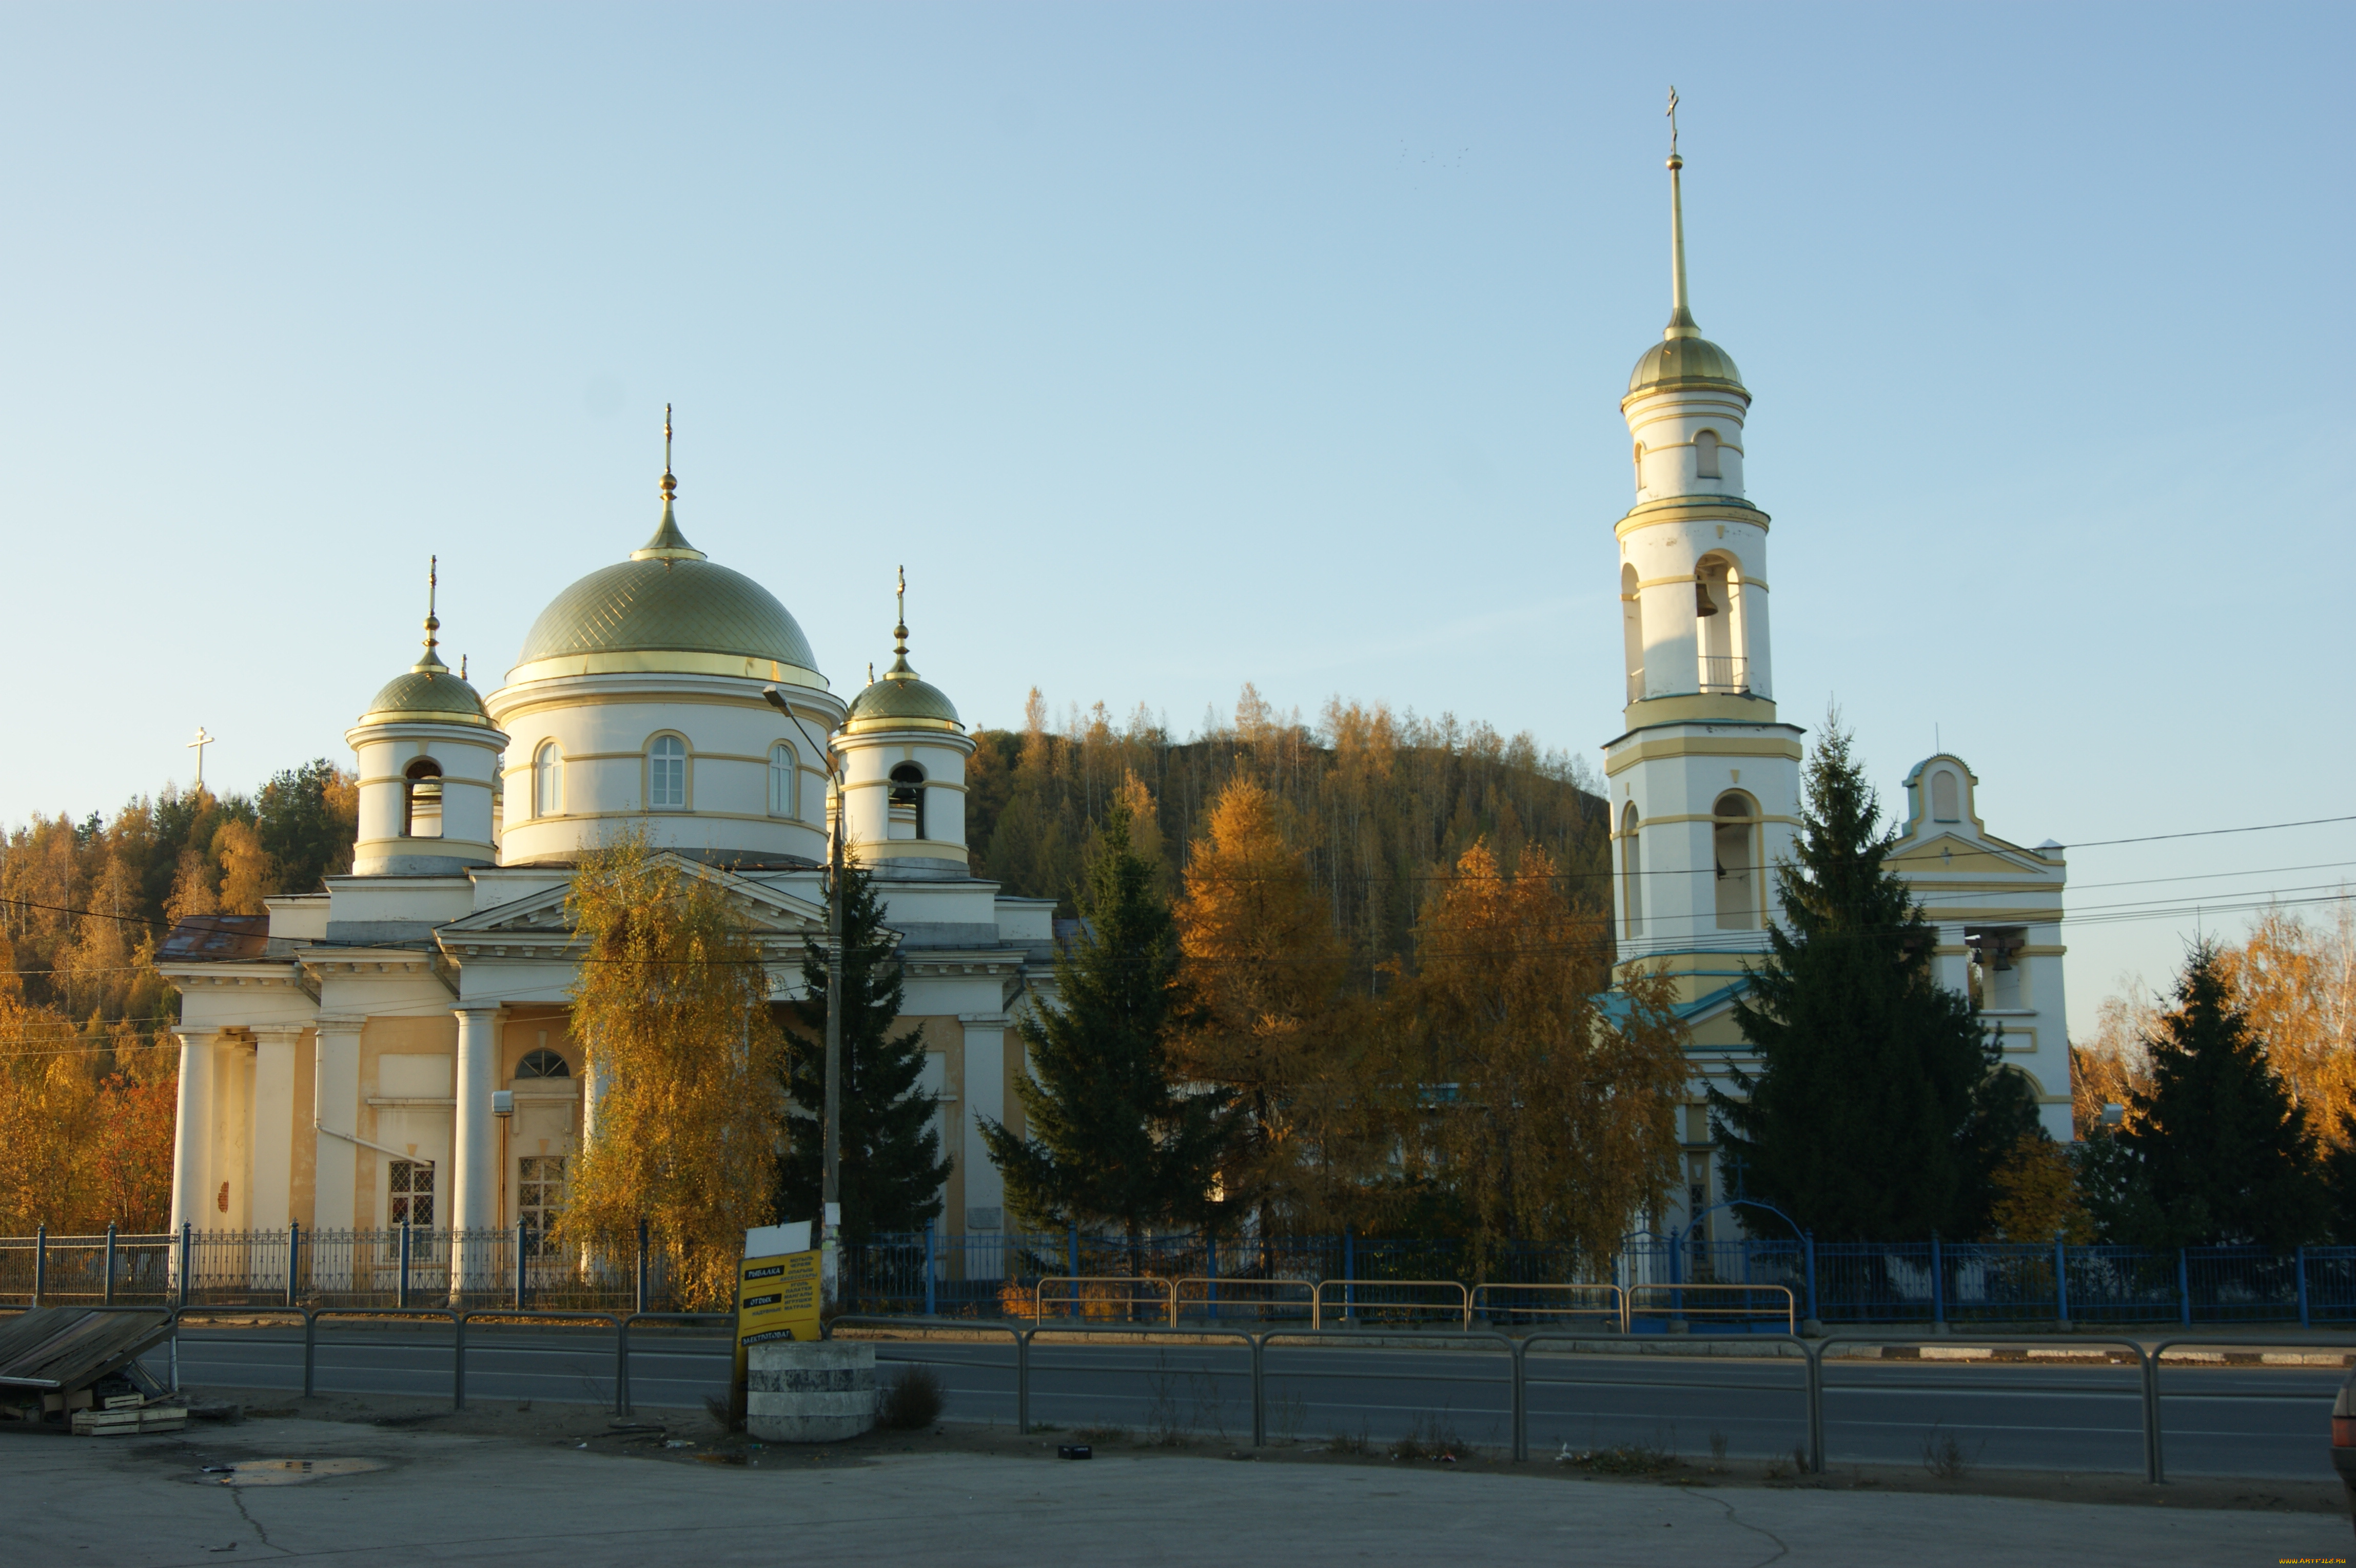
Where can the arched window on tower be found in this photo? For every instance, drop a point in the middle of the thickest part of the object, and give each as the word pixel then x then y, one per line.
pixel 1721 636
pixel 908 801
pixel 1631 874
pixel 785 781
pixel 1632 632
pixel 1705 454
pixel 1735 839
pixel 547 781
pixel 1640 466
pixel 420 799
pixel 1943 807
pixel 667 774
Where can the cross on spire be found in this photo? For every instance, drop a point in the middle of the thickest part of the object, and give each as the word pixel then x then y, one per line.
pixel 1673 120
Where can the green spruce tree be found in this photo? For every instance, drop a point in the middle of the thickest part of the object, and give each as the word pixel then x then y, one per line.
pixel 891 1163
pixel 1857 1123
pixel 1109 1139
pixel 2222 1152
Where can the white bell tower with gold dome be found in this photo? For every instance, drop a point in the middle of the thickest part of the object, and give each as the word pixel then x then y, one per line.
pixel 1704 779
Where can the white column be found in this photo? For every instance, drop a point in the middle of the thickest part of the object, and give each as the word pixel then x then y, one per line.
pixel 274 1125
pixel 335 1109
pixel 192 1132
pixel 593 1092
pixel 985 1095
pixel 474 1144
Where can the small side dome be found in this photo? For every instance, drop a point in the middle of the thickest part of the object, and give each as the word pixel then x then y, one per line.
pixel 899 699
pixel 429 693
pixel 1684 362
pixel 433 695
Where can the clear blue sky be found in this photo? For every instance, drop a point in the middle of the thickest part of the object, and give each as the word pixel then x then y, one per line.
pixel 1173 346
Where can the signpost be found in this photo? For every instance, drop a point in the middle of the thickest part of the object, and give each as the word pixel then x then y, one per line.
pixel 776 1291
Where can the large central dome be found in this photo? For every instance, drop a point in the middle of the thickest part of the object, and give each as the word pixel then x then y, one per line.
pixel 666 609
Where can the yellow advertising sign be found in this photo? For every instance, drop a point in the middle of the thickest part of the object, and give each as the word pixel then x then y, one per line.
pixel 776 1298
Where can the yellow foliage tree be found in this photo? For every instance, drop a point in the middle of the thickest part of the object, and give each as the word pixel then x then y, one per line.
pixel 1548 1113
pixel 1270 1020
pixel 2037 1194
pixel 672 1010
pixel 248 874
pixel 2297 985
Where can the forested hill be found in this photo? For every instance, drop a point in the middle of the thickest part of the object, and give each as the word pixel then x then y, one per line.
pixel 1382 804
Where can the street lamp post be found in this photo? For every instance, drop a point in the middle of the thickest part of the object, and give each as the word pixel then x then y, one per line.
pixel 830 1180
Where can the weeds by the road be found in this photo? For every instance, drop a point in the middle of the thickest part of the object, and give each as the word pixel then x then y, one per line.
pixel 1625 1459
pixel 1944 1457
pixel 1430 1438
pixel 915 1398
pixel 1351 1443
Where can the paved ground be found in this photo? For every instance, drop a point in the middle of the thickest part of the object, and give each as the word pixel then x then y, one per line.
pixel 2238 1421
pixel 454 1497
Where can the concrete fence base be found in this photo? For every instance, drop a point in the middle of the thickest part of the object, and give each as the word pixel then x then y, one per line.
pixel 817 1391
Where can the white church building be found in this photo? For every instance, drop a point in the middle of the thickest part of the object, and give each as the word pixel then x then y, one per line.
pixel 396 1048
pixel 1704 777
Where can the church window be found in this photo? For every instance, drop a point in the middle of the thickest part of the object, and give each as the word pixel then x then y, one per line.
pixel 539 1196
pixel 412 1182
pixel 1632 632
pixel 1943 807
pixel 542 1063
pixel 1640 464
pixel 1632 863
pixel 785 777
pixel 908 794
pixel 547 781
pixel 1732 838
pixel 1705 454
pixel 667 773
pixel 420 799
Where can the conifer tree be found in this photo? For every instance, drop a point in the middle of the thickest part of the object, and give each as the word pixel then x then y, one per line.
pixel 892 1165
pixel 2222 1152
pixel 1110 1140
pixel 1856 1123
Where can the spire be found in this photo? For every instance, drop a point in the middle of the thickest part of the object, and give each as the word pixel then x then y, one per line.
pixel 432 663
pixel 900 670
pixel 668 544
pixel 1681 321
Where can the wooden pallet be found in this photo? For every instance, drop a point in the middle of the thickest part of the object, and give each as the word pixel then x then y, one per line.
pixel 127 1421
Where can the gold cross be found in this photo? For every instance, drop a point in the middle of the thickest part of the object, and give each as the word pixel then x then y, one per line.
pixel 1673 122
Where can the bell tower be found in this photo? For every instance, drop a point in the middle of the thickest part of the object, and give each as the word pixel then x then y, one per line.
pixel 1705 780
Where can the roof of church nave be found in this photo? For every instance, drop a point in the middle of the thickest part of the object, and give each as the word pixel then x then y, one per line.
pixel 668 608
pixel 429 692
pixel 899 699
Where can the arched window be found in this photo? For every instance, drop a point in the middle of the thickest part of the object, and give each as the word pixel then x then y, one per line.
pixel 420 799
pixel 1632 632
pixel 547 781
pixel 908 798
pixel 785 781
pixel 667 774
pixel 1942 798
pixel 1632 866
pixel 542 1063
pixel 1640 464
pixel 1721 637
pixel 1733 836
pixel 1705 454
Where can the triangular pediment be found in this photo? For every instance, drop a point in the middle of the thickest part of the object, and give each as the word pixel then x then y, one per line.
pixel 759 907
pixel 1966 857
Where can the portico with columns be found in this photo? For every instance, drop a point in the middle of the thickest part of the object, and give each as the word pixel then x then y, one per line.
pixel 396 1048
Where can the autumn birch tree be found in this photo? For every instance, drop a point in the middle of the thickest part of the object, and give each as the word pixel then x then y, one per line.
pixel 672 1009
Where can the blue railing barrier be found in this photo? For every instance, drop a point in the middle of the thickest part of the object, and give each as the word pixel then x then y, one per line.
pixel 1960 1285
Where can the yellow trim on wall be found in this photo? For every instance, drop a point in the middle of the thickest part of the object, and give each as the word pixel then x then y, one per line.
pixel 1661 747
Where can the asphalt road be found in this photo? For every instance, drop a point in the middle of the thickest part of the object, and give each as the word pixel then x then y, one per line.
pixel 2237 1421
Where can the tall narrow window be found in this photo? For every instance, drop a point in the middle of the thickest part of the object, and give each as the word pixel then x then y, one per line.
pixel 1942 798
pixel 1737 886
pixel 1705 454
pixel 539 1196
pixel 412 1194
pixel 908 798
pixel 1640 464
pixel 1632 632
pixel 1632 863
pixel 784 778
pixel 667 773
pixel 548 781
pixel 420 799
